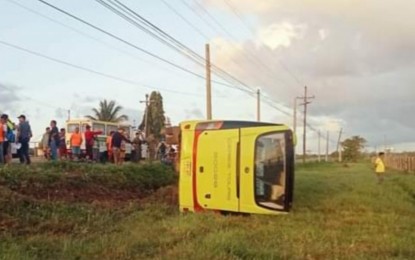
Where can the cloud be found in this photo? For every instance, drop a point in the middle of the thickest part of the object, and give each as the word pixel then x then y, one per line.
pixel 9 99
pixel 280 35
pixel 86 98
pixel 357 57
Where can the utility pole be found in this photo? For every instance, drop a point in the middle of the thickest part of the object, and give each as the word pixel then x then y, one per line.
pixel 208 84
pixel 319 146
pixel 146 115
pixel 295 126
pixel 305 103
pixel 327 146
pixel 69 114
pixel 258 105
pixel 339 147
pixel 295 117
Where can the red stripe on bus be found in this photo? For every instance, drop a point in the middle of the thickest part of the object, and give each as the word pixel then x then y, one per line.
pixel 196 205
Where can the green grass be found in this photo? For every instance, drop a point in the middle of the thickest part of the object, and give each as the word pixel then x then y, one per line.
pixel 339 213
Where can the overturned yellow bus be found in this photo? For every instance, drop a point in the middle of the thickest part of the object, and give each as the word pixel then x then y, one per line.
pixel 236 166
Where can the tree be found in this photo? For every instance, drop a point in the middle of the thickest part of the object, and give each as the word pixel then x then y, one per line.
pixel 108 112
pixel 156 118
pixel 352 148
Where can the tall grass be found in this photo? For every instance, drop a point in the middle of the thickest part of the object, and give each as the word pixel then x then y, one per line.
pixel 339 213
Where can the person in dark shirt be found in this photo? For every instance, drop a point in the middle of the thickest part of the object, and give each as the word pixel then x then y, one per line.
pixel 63 151
pixel 24 135
pixel 116 142
pixel 54 140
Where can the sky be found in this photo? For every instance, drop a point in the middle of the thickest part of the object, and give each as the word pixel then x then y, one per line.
pixel 356 57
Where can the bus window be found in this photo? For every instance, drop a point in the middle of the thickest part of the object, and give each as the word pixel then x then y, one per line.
pixel 111 128
pixel 72 127
pixel 270 171
pixel 98 127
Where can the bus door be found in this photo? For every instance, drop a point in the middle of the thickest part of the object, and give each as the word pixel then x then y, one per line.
pixel 216 167
pixel 264 185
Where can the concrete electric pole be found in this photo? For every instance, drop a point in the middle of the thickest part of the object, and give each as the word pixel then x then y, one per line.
pixel 147 103
pixel 295 116
pixel 319 146
pixel 339 146
pixel 305 103
pixel 327 146
pixel 208 84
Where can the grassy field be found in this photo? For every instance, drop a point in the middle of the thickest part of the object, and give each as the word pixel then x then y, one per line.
pixel 339 213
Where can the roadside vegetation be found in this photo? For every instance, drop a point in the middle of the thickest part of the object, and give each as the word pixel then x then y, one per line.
pixel 71 211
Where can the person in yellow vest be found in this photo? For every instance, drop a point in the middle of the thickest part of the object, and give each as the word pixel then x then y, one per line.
pixel 380 167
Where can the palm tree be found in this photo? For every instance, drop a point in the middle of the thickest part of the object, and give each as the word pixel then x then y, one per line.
pixel 108 112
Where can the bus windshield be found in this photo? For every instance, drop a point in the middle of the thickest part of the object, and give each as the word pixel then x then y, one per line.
pixel 270 171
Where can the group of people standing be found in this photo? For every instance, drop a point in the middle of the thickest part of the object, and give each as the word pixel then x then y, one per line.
pixel 53 142
pixel 98 146
pixel 11 133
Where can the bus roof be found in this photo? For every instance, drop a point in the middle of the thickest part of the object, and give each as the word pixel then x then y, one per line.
pixel 89 121
pixel 235 123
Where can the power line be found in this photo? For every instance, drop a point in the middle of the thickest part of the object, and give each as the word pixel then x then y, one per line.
pixel 177 45
pixel 187 51
pixel 129 54
pixel 131 82
pixel 128 15
pixel 120 39
pixel 185 20
pixel 188 6
pixel 250 57
pixel 228 77
pixel 237 14
pixel 126 42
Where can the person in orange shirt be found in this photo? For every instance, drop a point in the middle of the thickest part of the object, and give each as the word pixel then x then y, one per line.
pixel 76 142
pixel 109 147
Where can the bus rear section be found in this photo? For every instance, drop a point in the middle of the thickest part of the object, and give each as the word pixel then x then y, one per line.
pixel 236 166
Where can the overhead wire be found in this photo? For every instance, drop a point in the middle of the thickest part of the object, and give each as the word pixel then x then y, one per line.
pixel 185 20
pixel 134 17
pixel 131 82
pixel 120 39
pixel 127 42
pixel 249 56
pixel 127 53
pixel 229 77
pixel 151 26
pixel 222 73
pixel 252 31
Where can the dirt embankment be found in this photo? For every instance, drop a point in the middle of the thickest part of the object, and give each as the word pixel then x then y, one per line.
pixel 72 192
